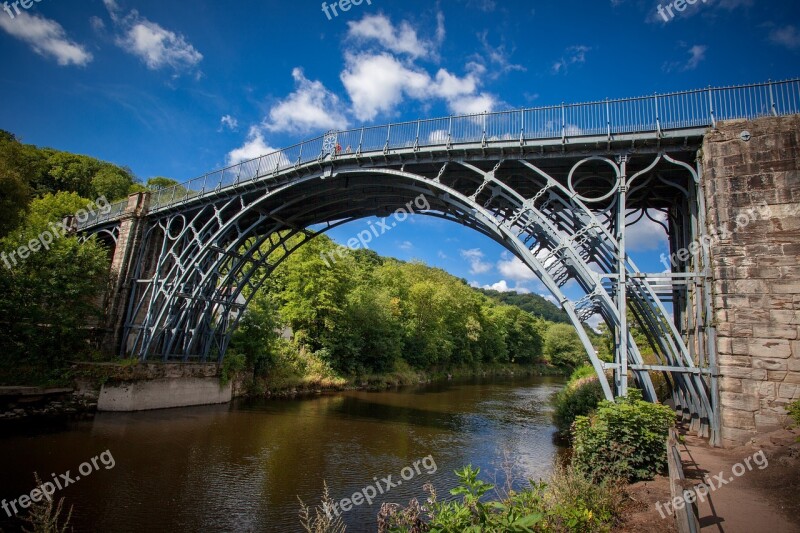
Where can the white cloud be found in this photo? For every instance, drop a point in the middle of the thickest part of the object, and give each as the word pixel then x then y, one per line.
pixel 516 270
pixel 155 45
pixel 474 104
pixel 500 286
pixel 476 263
pixel 788 36
pixel 228 122
pixel 400 40
pixel 572 56
pixel 311 107
pixel 254 146
pixel 47 38
pixel 378 83
pixel 406 245
pixel 697 54
pixel 646 235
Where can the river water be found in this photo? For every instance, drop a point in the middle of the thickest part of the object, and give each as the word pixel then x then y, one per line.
pixel 241 467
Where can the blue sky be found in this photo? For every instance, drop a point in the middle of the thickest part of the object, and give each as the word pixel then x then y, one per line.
pixel 178 88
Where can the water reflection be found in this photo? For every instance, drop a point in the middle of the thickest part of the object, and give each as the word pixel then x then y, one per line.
pixel 241 467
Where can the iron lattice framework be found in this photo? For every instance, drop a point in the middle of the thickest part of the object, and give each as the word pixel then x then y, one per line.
pixel 556 186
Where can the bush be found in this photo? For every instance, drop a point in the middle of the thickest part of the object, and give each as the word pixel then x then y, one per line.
pixel 578 398
pixel 794 412
pixel 570 502
pixel 624 439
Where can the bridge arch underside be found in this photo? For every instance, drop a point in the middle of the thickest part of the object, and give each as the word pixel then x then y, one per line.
pixel 565 218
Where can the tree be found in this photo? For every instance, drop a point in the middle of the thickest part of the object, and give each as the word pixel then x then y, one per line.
pixel 49 299
pixel 563 347
pixel 111 182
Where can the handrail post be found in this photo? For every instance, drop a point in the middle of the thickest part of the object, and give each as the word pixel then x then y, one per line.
pixel 608 119
pixel 388 136
pixel 772 100
pixel 658 118
pixel 483 139
pixel 711 107
pixel 522 128
pixel 450 132
pixel 300 155
pixel 563 124
pixel 416 142
pixel 360 141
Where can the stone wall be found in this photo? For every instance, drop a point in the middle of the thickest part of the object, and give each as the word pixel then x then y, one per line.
pixel 752 190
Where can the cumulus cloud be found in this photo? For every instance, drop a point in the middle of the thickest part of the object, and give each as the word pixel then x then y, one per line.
pixel 228 122
pixel 156 46
pixel 311 107
pixel 400 39
pixel 378 83
pixel 254 146
pixel 514 269
pixel 647 235
pixel 47 38
pixel 475 258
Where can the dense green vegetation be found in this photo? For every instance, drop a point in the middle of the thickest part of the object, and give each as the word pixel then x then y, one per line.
pixel 568 502
pixel 50 298
pixel 532 303
pixel 625 439
pixel 580 397
pixel 364 314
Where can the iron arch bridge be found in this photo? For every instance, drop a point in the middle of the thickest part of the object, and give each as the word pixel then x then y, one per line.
pixel 557 186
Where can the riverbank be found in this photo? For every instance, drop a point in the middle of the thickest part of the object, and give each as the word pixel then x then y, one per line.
pixel 83 381
pixel 288 385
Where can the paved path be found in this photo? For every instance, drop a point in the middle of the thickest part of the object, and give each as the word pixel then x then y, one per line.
pixel 764 497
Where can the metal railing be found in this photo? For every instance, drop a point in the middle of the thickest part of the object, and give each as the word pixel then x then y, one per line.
pixel 650 115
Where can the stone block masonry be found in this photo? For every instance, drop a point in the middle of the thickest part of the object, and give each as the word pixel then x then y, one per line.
pixel 756 271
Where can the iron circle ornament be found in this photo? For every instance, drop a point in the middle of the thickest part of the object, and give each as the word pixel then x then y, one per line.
pixel 175 227
pixel 606 196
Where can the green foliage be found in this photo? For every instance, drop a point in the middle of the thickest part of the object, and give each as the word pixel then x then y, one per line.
pixel 30 172
pixel 624 439
pixel 530 303
pixel 231 365
pixel 563 347
pixel 49 298
pixel 794 412
pixel 363 314
pixel 579 398
pixel 584 371
pixel 45 516
pixel 159 182
pixel 570 502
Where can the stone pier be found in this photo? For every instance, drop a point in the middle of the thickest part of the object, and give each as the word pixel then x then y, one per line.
pixel 752 186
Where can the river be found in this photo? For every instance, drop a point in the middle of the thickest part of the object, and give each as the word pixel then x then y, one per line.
pixel 241 467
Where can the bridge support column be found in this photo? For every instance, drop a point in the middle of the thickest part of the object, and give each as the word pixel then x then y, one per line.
pixel 751 185
pixel 125 254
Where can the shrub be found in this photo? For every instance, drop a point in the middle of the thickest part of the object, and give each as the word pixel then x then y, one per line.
pixel 623 439
pixel 794 412
pixel 578 398
pixel 570 502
